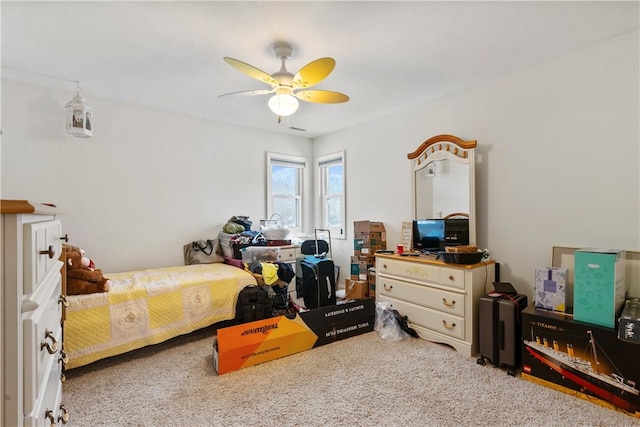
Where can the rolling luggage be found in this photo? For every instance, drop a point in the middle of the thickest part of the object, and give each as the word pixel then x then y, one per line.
pixel 318 282
pixel 500 325
pixel 318 273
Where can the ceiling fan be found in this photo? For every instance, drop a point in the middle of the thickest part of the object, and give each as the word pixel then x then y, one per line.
pixel 288 88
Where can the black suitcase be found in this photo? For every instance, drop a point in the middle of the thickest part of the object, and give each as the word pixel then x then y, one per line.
pixel 318 281
pixel 500 335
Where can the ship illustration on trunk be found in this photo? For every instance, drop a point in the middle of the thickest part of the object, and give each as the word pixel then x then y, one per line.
pixel 587 375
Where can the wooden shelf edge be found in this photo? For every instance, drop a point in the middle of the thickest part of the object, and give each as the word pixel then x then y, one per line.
pixel 26 206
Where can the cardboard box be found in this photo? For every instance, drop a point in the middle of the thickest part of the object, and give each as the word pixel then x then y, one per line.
pixel 356 289
pixel 252 343
pixel 366 227
pixel 599 286
pixel 369 237
pixel 372 282
pixel 363 246
pixel 550 288
pixel 561 352
pixel 629 322
pixel 360 265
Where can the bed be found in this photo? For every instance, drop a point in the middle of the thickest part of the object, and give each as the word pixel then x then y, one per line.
pixel 148 307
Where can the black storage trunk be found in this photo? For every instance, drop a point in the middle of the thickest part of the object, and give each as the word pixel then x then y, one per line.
pixel 318 282
pixel 500 330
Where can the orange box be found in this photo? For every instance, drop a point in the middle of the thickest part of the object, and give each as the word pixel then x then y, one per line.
pixel 256 342
pixel 251 343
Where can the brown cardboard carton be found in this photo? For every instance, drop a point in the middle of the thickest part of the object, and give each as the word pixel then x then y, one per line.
pixel 356 289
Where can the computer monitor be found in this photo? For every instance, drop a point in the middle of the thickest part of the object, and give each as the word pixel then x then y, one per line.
pixel 428 234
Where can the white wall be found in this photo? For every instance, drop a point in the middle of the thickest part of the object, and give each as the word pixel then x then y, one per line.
pixel 558 164
pixel 558 161
pixel 147 183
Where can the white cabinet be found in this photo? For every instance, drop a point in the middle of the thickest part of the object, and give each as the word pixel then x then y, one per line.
pixel 290 254
pixel 439 299
pixel 32 313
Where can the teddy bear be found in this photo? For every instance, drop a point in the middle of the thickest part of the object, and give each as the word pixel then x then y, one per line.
pixel 88 262
pixel 82 276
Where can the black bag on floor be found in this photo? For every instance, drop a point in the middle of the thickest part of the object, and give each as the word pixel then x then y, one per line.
pixel 254 303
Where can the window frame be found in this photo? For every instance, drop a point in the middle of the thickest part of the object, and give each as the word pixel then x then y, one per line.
pixel 287 160
pixel 322 162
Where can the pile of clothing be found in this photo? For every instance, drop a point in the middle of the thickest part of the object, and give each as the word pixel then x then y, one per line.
pixel 237 234
pixel 277 275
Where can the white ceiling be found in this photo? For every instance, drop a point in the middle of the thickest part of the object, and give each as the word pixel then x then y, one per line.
pixel 389 55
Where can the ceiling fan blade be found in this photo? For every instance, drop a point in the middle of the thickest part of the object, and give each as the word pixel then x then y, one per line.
pixel 321 96
pixel 251 71
pixel 248 93
pixel 313 73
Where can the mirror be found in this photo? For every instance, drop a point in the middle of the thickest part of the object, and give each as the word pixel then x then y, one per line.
pixel 443 179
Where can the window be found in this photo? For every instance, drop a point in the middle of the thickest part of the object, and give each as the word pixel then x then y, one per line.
pixel 332 193
pixel 285 189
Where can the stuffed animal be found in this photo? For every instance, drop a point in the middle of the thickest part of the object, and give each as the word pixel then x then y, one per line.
pixel 82 276
pixel 88 261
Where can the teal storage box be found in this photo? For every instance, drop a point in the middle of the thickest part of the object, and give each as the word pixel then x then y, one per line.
pixel 599 286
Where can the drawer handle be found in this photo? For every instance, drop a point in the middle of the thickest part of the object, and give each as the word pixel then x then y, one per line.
pixel 63 358
pixel 388 287
pixel 65 238
pixel 51 252
pixel 51 348
pixel 384 265
pixel 64 415
pixel 448 326
pixel 451 278
pixel 49 414
pixel 448 304
pixel 62 299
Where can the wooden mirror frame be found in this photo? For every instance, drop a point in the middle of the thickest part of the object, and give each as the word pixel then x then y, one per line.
pixel 441 147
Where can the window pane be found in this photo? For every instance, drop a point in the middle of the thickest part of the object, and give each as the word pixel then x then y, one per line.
pixel 335 179
pixel 334 214
pixel 288 209
pixel 284 180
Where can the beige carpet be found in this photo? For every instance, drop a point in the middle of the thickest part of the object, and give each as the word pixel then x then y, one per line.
pixel 360 381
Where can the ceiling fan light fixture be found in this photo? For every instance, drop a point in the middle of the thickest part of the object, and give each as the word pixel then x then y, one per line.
pixel 283 104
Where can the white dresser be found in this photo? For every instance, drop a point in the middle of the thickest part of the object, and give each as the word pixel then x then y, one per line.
pixel 440 300
pixel 32 314
pixel 290 255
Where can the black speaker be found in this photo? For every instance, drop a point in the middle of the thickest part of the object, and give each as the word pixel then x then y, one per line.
pixel 456 232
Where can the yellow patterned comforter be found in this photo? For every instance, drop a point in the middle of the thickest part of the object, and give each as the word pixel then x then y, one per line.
pixel 149 306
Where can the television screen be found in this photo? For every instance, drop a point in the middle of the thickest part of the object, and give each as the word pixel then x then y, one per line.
pixel 428 234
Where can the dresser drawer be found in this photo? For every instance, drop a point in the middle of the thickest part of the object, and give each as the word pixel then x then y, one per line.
pixel 49 403
pixel 438 299
pixel 434 320
pixel 421 272
pixel 42 248
pixel 452 277
pixel 409 270
pixel 287 255
pixel 42 345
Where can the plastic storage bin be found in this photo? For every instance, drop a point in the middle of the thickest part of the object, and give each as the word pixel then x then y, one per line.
pixel 260 254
